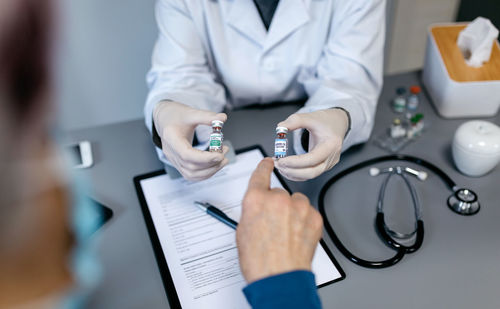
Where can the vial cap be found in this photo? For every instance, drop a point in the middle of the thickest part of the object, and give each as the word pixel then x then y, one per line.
pixel 417 118
pixel 401 90
pixel 415 89
pixel 217 123
pixel 281 130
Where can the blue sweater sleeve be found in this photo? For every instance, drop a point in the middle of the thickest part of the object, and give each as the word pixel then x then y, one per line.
pixel 296 289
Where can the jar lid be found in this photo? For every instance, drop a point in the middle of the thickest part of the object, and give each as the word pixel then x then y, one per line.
pixel 281 130
pixel 217 123
pixel 415 89
pixel 478 136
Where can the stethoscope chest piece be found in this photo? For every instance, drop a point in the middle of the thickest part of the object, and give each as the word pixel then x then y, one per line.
pixel 464 202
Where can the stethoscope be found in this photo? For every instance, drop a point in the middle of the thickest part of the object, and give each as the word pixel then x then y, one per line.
pixel 462 201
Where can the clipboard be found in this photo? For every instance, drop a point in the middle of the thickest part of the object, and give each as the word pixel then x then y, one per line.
pixel 166 275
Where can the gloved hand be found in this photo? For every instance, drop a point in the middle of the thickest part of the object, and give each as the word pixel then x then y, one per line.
pixel 176 123
pixel 278 232
pixel 327 129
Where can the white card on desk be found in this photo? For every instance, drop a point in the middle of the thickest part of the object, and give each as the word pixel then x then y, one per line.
pixel 201 259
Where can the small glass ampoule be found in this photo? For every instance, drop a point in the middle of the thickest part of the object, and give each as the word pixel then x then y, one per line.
pixel 399 102
pixel 281 142
pixel 413 99
pixel 216 137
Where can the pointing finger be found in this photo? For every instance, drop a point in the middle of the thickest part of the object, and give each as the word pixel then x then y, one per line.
pixel 261 177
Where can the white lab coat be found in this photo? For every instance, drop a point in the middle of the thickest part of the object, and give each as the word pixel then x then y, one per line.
pixel 212 54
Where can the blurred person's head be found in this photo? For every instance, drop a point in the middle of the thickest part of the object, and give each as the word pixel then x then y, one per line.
pixel 25 27
pixel 24 78
pixel 35 237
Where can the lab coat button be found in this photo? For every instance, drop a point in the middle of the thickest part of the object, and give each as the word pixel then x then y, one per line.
pixel 269 65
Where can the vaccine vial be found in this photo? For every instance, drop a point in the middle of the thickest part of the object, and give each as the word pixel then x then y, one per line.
pixel 216 137
pixel 413 99
pixel 281 142
pixel 416 126
pixel 397 130
pixel 399 102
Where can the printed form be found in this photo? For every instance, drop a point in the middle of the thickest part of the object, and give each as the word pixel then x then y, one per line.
pixel 200 251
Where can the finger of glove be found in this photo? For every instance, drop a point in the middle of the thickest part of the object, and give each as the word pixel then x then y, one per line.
pixel 295 121
pixel 203 174
pixel 302 174
pixel 203 117
pixel 198 167
pixel 195 157
pixel 317 155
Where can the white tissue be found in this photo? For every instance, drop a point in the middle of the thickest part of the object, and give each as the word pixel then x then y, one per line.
pixel 476 41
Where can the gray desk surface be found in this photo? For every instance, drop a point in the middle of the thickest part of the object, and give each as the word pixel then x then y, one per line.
pixel 458 265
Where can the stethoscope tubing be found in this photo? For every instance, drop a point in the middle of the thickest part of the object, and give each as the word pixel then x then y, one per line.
pixel 400 249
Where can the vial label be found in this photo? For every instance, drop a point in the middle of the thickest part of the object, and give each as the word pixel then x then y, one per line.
pixel 412 102
pixel 399 104
pixel 280 148
pixel 215 142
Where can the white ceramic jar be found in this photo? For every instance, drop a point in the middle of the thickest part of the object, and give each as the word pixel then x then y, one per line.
pixel 476 147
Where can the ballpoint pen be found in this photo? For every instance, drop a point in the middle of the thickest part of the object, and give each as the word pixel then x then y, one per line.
pixel 217 214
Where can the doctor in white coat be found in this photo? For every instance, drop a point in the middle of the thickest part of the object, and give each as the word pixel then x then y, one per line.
pixel 212 54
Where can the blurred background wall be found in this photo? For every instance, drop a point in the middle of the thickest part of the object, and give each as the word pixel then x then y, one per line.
pixel 102 60
pixel 405 44
pixel 106 46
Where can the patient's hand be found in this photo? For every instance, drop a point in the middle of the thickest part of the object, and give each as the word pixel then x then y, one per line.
pixel 278 232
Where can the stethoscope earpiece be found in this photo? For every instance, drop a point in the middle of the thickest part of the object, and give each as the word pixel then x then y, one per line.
pixel 464 202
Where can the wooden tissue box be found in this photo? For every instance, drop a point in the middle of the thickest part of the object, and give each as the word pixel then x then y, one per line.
pixel 456 89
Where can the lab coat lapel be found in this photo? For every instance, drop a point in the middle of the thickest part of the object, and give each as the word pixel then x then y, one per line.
pixel 244 18
pixel 290 15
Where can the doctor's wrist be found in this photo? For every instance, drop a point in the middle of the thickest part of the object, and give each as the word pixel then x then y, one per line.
pixel 157 112
pixel 155 125
pixel 347 115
